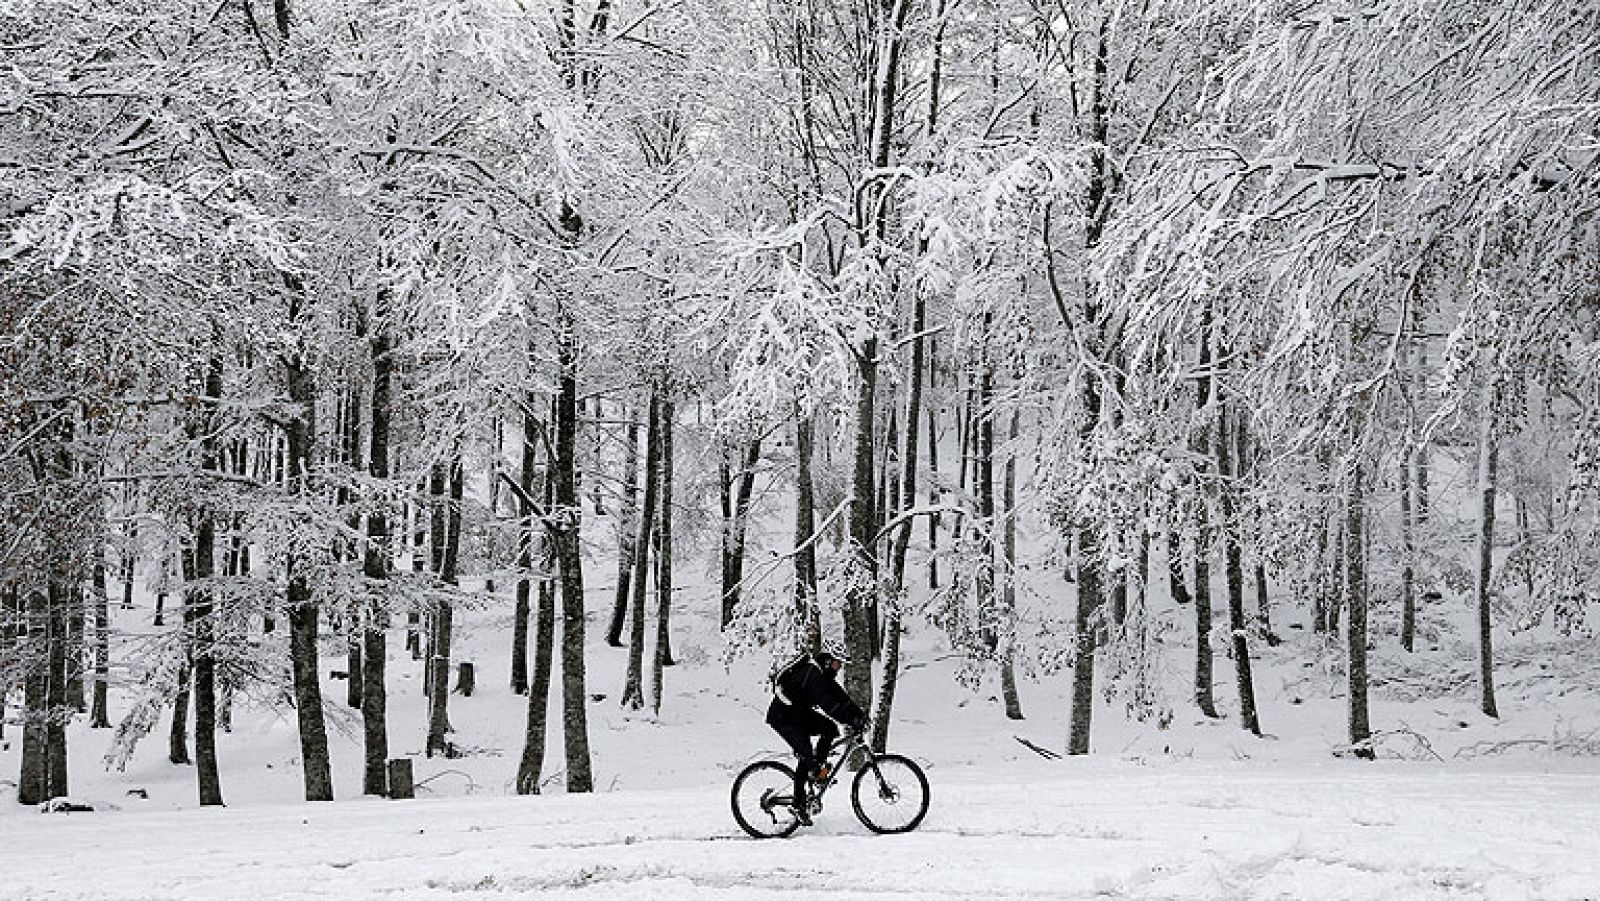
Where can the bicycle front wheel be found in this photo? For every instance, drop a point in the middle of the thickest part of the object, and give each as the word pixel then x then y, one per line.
pixel 890 794
pixel 763 799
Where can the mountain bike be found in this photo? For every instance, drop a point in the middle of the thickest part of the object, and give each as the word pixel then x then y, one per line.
pixel 889 791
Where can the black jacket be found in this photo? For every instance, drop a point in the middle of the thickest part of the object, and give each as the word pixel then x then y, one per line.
pixel 803 686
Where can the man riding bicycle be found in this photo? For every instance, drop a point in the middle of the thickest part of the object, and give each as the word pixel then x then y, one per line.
pixel 802 688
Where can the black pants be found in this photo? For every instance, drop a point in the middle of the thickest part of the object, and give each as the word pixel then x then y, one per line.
pixel 797 729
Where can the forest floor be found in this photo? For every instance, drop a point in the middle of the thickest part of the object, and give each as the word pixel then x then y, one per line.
pixel 1459 806
pixel 1023 829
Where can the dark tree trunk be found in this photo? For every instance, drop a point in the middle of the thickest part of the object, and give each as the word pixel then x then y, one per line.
pixel 1483 595
pixel 861 590
pixel 1089 573
pixel 633 686
pixel 11 626
pixel 199 616
pixel 74 652
pixel 60 712
pixel 418 541
pixel 568 549
pixel 805 558
pixel 33 782
pixel 532 534
pixel 178 736
pixel 1008 589
pixel 350 455
pixel 376 564
pixel 443 618
pixel 1084 630
pixel 1175 576
pixel 99 715
pixel 983 451
pixel 1417 478
pixel 199 611
pixel 302 609
pixel 934 496
pixel 627 526
pixel 1355 592
pixel 497 435
pixel 1203 691
pixel 530 771
pixel 1234 560
pixel 1408 591
pixel 663 648
pixel 130 562
pixel 884 710
pixel 740 487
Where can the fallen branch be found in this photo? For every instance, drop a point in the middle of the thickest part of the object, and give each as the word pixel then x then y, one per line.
pixel 1046 753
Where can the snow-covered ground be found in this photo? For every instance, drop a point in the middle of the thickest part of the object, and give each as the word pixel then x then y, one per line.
pixel 1463 808
pixel 1019 829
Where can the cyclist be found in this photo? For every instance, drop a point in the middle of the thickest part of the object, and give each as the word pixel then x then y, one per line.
pixel 801 689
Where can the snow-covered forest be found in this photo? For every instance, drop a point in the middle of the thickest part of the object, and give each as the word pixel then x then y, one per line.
pixel 1184 371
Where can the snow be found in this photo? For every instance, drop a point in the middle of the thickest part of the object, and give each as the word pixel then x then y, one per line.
pixel 1198 810
pixel 1087 828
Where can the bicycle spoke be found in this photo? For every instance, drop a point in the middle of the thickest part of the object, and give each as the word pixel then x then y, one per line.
pixel 763 797
pixel 890 794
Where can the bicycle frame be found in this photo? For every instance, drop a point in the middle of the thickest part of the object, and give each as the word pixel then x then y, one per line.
pixel 837 755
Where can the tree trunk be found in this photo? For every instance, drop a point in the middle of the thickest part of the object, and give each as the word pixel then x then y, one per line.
pixel 178 735
pixel 532 533
pixel 1203 690
pixel 568 549
pixel 61 712
pixel 1088 604
pixel 805 559
pixel 1355 592
pixel 983 449
pixel 1408 589
pixel 413 618
pixel 199 615
pixel 11 624
pixel 497 437
pixel 73 659
pixel 99 715
pixel 633 686
pixel 444 615
pixel 44 745
pixel 302 610
pixel 735 527
pixel 934 496
pixel 376 565
pixel 663 650
pixel 884 709
pixel 199 611
pixel 862 581
pixel 350 455
pixel 530 771
pixel 1234 557
pixel 1008 589
pixel 627 539
pixel 1488 454
pixel 130 562
pixel 1248 459
pixel 1176 583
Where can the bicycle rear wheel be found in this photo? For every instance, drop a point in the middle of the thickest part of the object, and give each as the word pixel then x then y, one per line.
pixel 763 795
pixel 890 794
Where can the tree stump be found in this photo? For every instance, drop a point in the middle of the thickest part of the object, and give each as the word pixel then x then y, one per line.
pixel 466 681
pixel 400 785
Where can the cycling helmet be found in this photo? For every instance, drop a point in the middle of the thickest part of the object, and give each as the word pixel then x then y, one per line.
pixel 831 653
